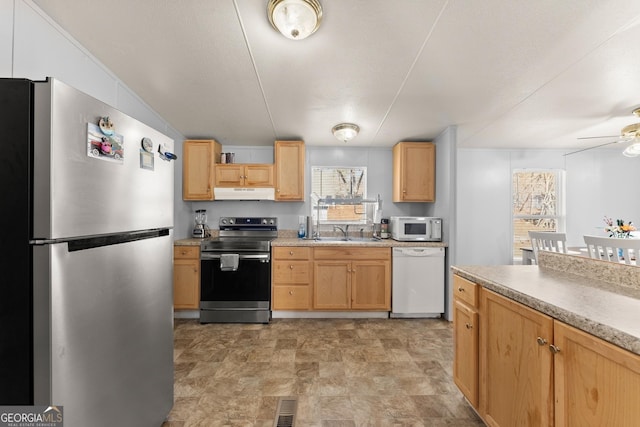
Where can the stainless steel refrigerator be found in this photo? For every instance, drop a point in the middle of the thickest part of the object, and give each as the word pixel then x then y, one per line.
pixel 86 223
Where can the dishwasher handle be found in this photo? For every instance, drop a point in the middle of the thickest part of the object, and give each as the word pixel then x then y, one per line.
pixel 418 252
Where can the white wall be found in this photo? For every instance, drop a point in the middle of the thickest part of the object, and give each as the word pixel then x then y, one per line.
pixel 598 182
pixel 32 46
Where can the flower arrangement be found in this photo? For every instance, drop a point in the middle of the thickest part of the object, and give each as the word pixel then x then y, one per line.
pixel 619 228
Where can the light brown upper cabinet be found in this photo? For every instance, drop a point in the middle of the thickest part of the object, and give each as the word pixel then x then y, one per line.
pixel 414 167
pixel 289 164
pixel 199 158
pixel 244 175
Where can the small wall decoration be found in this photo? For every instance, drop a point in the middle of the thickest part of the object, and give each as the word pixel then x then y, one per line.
pixel 146 160
pixel 106 126
pixel 102 146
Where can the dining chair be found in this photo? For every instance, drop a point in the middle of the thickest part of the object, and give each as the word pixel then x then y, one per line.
pixel 547 241
pixel 613 249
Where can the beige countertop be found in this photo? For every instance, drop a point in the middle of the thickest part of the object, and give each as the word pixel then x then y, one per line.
pixel 599 297
pixel 384 243
pixel 286 239
pixel 188 242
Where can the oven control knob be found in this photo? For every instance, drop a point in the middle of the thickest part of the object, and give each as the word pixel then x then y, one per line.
pixel 223 221
pixel 264 220
pixel 271 221
pixel 231 220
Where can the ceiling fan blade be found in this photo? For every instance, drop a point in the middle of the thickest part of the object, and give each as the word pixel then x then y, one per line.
pixel 597 137
pixel 591 148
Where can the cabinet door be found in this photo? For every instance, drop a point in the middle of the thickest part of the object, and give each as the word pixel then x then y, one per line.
pixel 289 166
pixel 186 284
pixel 596 383
pixel 332 285
pixel 258 176
pixel 414 172
pixel 371 285
pixel 229 175
pixel 516 371
pixel 197 169
pixel 465 350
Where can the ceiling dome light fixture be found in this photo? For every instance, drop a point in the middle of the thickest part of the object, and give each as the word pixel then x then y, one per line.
pixel 633 150
pixel 345 132
pixel 295 19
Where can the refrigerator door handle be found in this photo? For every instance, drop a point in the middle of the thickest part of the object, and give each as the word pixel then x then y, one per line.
pixel 104 240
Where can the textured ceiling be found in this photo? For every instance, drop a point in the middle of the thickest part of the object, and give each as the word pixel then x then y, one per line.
pixel 508 73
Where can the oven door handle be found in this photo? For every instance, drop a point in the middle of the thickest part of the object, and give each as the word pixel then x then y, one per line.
pixel 263 257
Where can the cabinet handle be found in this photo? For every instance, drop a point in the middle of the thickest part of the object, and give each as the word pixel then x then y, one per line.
pixel 291 253
pixel 291 267
pixel 460 289
pixel 290 292
pixel 468 325
pixel 541 341
pixel 554 349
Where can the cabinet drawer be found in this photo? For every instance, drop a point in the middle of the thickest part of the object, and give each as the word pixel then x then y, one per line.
pixel 189 252
pixel 291 298
pixel 291 271
pixel 291 252
pixel 352 253
pixel 465 290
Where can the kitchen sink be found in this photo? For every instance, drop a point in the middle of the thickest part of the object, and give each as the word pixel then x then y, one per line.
pixel 335 239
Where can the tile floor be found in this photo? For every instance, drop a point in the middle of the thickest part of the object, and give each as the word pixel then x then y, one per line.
pixel 344 372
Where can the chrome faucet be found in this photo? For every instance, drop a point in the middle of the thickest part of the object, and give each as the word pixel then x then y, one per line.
pixel 344 230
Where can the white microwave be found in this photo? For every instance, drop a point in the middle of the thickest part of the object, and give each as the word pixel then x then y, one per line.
pixel 416 228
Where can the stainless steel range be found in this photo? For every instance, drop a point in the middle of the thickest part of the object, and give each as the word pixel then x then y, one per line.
pixel 235 283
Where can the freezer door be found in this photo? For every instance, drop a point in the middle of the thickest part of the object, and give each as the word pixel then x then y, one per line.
pixel 79 195
pixel 103 328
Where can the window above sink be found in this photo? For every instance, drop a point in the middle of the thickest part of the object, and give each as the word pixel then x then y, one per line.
pixel 339 195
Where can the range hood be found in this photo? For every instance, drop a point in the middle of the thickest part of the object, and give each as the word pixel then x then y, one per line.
pixel 243 193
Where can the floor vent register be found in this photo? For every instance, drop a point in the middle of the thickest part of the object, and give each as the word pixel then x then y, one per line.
pixel 286 412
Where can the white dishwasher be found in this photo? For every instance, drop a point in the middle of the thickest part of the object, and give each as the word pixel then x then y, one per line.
pixel 418 282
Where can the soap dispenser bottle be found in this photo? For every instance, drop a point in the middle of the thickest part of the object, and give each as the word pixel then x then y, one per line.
pixel 301 227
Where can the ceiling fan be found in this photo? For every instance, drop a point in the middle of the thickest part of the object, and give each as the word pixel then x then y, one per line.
pixel 628 133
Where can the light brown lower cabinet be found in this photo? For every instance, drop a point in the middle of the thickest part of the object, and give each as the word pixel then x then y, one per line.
pixel 465 333
pixel 534 370
pixel 596 383
pixel 331 278
pixel 291 278
pixel 516 366
pixel 352 279
pixel 186 277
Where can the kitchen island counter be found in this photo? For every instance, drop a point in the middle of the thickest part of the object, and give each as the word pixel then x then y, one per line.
pixel 598 297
